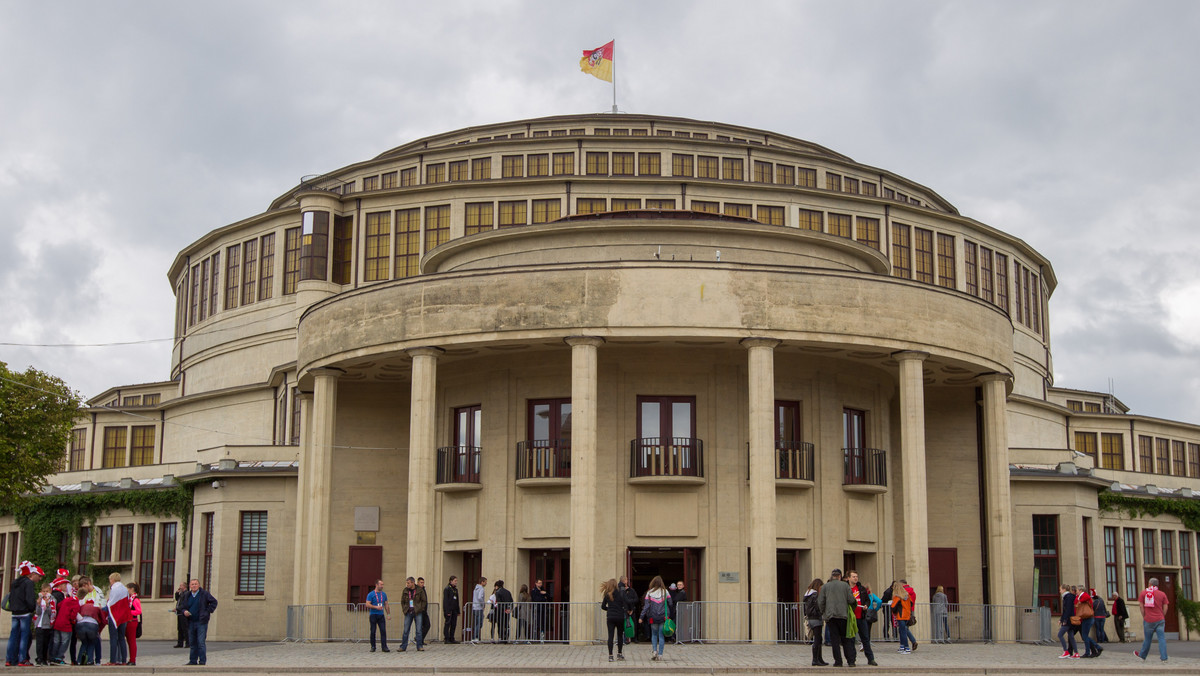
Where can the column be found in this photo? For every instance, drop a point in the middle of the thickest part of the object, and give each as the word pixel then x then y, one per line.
pixel 318 494
pixel 422 455
pixel 762 485
pixel 996 489
pixel 300 584
pixel 584 351
pixel 912 461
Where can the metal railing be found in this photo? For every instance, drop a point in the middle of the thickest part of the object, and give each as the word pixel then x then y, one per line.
pixel 350 623
pixel 865 467
pixel 670 456
pixel 517 622
pixel 458 465
pixel 794 460
pixel 544 459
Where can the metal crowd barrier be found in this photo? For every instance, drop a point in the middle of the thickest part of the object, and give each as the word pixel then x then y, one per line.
pixel 349 623
pixel 528 622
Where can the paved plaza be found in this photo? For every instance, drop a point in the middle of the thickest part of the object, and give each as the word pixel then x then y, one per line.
pixel 355 658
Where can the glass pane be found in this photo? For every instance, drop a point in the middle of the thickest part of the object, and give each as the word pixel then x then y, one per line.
pixel 541 422
pixel 681 419
pixel 564 424
pixel 650 422
pixel 477 428
pixel 462 425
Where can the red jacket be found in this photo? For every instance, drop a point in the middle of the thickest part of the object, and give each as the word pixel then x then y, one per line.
pixel 67 610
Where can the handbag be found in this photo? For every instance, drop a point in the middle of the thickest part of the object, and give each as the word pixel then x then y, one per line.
pixel 814 622
pixel 4 605
pixel 669 627
pixel 1076 620
pixel 138 634
pixel 629 628
pixel 1085 611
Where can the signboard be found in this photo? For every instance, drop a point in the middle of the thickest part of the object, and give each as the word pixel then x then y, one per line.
pixel 726 576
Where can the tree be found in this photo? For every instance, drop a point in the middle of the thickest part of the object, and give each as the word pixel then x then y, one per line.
pixel 37 411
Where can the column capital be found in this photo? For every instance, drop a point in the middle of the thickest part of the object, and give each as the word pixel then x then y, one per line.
pixel 305 396
pixel 994 376
pixel 753 342
pixel 425 351
pixel 587 341
pixel 906 355
pixel 327 371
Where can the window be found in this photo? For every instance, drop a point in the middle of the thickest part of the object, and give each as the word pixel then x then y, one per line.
pixel 868 189
pixel 78 446
pixel 1085 442
pixel 460 464
pixel 1167 538
pixel 252 553
pixel 770 215
pixel 1131 581
pixel 85 548
pixel 839 225
pixel 291 260
pixel 539 165
pixel 946 265
pixel 986 282
pixel 970 261
pixel 1178 458
pixel 142 449
pixel 370 183
pixel 1087 552
pixel 408 176
pixel 166 570
pixel 564 164
pixel 785 175
pixel 105 544
pixel 806 178
pixel 379 245
pixel 131 401
pixel 481 168
pixel 682 165
pixel 660 204
pixel 1112 451
pixel 512 166
pixel 203 289
pixel 408 242
pixel 706 207
pixel 343 249
pixel 901 251
pixel 792 463
pixel 1045 559
pixel 233 268
pixel 622 164
pixel 854 428
pixel 764 172
pixel 889 193
pixel 390 180
pixel 1145 454
pixel 850 185
pixel 733 169
pixel 206 564
pixel 833 182
pixel 1002 281
pixel 811 220
pixel 1185 564
pixel 867 231
pixel 597 164
pixel 740 210
pixel 114 447
pixel 266 267
pixel 513 213
pixel 545 211
pixel 479 218
pixel 145 576
pixel 437 226
pixel 1112 586
pixel 1194 460
pixel 281 419
pixel 249 271
pixel 547 451
pixel 619 204
pixel 435 173
pixel 666 443
pixel 708 167
pixel 348 188
pixel 649 164
pixel 923 259
pixel 1147 547
pixel 458 172
pixel 1162 455
pixel 590 205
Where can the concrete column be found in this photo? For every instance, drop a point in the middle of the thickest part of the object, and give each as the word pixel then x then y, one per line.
pixel 912 461
pixel 584 581
pixel 422 456
pixel 300 581
pixel 761 435
pixel 996 489
pixel 320 456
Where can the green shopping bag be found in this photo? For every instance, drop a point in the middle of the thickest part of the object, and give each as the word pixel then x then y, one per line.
pixel 851 624
pixel 629 629
pixel 669 628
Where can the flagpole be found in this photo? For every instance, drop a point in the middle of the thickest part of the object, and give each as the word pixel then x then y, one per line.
pixel 614 74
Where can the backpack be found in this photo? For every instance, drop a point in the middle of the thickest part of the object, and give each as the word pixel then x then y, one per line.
pixel 4 605
pixel 658 608
pixel 812 611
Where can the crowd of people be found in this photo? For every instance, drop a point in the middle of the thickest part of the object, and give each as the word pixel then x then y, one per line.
pixel 1085 613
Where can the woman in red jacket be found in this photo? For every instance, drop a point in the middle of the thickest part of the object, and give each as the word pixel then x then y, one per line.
pixel 131 631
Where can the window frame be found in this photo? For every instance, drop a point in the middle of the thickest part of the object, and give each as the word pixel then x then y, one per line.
pixel 252 563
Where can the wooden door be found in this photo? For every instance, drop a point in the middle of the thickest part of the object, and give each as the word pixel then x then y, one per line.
pixel 943 570
pixel 1166 584
pixel 365 567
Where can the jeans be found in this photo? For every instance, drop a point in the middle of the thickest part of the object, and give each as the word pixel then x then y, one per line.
pixel 58 649
pixel 1101 635
pixel 864 635
pixel 44 636
pixel 1154 630
pixel 839 641
pixel 656 638
pixel 477 623
pixel 89 642
pixel 411 620
pixel 905 634
pixel 197 635
pixel 117 649
pixel 380 621
pixel 18 639
pixel 1068 644
pixel 1085 630
pixel 449 626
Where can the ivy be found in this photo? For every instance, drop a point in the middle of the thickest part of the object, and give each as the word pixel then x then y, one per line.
pixel 1190 611
pixel 1187 511
pixel 46 520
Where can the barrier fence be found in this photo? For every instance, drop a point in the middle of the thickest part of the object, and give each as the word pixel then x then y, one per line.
pixel 696 622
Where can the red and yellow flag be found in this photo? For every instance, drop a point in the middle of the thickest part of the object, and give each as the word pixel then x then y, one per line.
pixel 598 62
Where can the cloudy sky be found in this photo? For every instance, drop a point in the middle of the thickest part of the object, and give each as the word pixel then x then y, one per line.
pixel 129 129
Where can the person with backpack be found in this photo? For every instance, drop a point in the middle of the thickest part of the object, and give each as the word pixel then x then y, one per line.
pixel 864 616
pixel 22 602
pixel 836 601
pixel 612 602
pixel 812 617
pixel 655 609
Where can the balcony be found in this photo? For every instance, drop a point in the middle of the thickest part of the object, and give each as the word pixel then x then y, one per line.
pixel 544 462
pixel 794 464
pixel 666 460
pixel 865 470
pixel 458 468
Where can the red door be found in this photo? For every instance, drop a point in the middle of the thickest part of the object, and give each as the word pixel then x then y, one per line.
pixel 691 573
pixel 365 567
pixel 1166 583
pixel 943 570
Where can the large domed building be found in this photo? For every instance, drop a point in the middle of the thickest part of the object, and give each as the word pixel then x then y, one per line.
pixel 577 347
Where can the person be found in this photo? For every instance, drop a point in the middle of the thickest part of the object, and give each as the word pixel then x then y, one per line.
pixel 64 622
pixel 631 602
pixel 1100 612
pixel 199 605
pixel 118 617
pixel 1070 651
pixel 43 624
pixel 681 596
pixel 450 608
pixel 885 600
pixel 415 603
pixel 181 623
pixel 1119 614
pixel 74 591
pixel 504 602
pixel 425 623
pixel 941 616
pixel 902 608
pixel 521 613
pixel 87 624
pixel 135 621
pixel 23 598
pixel 379 612
pixel 612 602
pixel 1083 602
pixel 478 600
pixel 812 617
pixel 835 599
pixel 1154 608
pixel 540 613
pixel 491 612
pixel 862 615
pixel 655 610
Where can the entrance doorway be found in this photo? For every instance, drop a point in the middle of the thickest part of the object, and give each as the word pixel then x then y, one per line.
pixel 1166 583
pixel 641 565
pixel 943 571
pixel 791 580
pixel 365 566
pixel 553 568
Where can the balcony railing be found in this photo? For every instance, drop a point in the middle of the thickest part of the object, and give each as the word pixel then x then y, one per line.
pixel 670 456
pixel 794 460
pixel 458 465
pixel 865 467
pixel 544 459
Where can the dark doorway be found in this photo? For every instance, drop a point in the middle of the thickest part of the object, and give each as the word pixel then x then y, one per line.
pixel 553 568
pixel 943 570
pixel 789 586
pixel 365 567
pixel 472 570
pixel 673 565
pixel 1166 583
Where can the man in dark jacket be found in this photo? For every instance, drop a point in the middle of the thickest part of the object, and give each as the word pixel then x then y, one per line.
pixel 22 601
pixel 541 613
pixel 631 601
pixel 415 605
pixel 1119 615
pixel 504 606
pixel 450 607
pixel 835 600
pixel 198 605
pixel 181 623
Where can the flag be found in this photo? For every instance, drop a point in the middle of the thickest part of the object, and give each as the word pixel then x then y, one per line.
pixel 598 62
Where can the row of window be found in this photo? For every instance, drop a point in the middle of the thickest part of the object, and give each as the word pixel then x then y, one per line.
pixel 1173 457
pixel 123 446
pixel 134 401
pixel 96 546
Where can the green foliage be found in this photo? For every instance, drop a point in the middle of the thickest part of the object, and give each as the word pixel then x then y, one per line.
pixel 1187 511
pixel 37 411
pixel 1190 611
pixel 46 519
